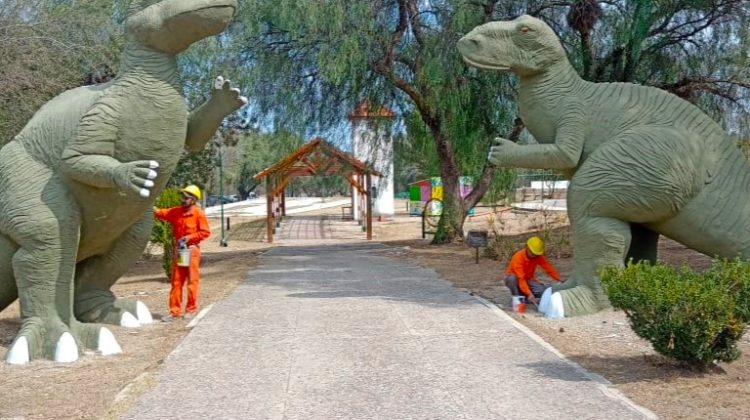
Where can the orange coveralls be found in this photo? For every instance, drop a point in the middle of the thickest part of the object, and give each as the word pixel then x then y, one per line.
pixel 524 267
pixel 189 223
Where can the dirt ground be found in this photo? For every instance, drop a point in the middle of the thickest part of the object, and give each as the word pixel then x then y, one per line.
pixel 91 388
pixel 103 387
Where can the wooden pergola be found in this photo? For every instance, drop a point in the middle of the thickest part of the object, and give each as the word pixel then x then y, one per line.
pixel 317 157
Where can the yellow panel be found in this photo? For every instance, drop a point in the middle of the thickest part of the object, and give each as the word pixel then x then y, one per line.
pixel 437 192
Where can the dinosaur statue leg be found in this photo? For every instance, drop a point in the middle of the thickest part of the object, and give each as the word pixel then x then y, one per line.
pixel 94 301
pixel 597 241
pixel 43 222
pixel 8 288
pixel 44 267
pixel 613 201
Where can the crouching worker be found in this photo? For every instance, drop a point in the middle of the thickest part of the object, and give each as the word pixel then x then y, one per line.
pixel 519 277
pixel 189 228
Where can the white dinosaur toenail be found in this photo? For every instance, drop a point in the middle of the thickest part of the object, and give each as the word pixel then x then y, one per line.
pixel 243 99
pixel 556 310
pixel 66 350
pixel 153 164
pixel 143 314
pixel 19 353
pixel 544 301
pixel 219 82
pixel 107 343
pixel 129 321
pixel 151 174
pixel 148 183
pixel 144 193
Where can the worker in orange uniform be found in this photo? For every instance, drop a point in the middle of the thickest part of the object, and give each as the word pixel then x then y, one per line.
pixel 189 227
pixel 519 277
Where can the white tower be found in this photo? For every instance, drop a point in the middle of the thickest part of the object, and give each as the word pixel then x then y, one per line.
pixel 372 143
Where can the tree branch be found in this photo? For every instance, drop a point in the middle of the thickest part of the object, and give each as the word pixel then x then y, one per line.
pixel 483 183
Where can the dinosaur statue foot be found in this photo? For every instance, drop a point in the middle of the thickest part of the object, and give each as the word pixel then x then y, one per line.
pixel 97 337
pixel 35 341
pixel 579 300
pixel 43 338
pixel 66 350
pixel 142 314
pixel 104 308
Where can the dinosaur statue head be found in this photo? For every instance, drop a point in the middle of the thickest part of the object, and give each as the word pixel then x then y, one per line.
pixel 170 26
pixel 525 46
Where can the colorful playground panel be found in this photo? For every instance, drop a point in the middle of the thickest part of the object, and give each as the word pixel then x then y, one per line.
pixel 420 192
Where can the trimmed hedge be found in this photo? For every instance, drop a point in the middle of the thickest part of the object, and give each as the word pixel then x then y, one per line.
pixel 695 318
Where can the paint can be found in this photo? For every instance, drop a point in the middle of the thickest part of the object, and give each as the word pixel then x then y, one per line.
pixel 183 256
pixel 519 304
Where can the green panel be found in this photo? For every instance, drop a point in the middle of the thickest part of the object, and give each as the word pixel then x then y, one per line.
pixel 414 193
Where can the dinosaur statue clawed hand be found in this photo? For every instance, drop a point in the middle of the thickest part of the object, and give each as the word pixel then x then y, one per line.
pixel 78 183
pixel 641 162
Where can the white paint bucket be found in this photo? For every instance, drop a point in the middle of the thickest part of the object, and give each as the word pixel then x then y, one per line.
pixel 183 257
pixel 519 304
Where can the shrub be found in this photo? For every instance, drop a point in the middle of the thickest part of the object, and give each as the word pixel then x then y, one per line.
pixel 161 233
pixel 695 318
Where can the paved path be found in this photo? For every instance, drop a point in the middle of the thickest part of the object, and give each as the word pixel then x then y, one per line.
pixel 314 229
pixel 347 333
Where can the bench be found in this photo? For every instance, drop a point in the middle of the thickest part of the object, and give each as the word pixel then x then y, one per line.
pixel 346 213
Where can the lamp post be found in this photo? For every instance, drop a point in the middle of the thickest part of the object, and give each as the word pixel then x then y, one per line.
pixel 217 142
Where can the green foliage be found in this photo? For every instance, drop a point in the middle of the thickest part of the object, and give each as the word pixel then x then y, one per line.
pixel 161 233
pixel 311 63
pixel 695 318
pixel 195 168
pixel 261 150
pixel 47 47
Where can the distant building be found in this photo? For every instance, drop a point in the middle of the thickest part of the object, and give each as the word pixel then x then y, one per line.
pixel 372 143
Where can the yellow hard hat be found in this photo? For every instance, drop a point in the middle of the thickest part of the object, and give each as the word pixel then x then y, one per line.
pixel 535 245
pixel 192 190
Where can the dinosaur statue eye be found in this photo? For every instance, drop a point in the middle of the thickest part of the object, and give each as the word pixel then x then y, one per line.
pixel 525 29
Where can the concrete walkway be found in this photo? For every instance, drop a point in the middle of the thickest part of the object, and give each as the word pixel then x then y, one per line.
pixel 343 332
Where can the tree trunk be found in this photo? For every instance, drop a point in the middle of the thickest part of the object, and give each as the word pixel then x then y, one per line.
pixel 450 226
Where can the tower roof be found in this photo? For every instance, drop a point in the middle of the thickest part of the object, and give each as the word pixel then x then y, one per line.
pixel 365 110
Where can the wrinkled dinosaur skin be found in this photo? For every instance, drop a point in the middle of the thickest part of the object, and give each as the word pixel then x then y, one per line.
pixel 641 162
pixel 79 181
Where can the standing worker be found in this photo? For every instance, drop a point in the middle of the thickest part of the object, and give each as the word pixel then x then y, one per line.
pixel 189 227
pixel 519 277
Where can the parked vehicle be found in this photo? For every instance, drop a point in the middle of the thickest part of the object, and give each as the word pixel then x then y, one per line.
pixel 212 200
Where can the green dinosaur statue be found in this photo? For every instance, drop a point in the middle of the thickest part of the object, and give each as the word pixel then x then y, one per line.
pixel 641 162
pixel 78 182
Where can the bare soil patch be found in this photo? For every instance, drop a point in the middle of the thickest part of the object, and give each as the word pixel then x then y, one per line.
pixel 89 388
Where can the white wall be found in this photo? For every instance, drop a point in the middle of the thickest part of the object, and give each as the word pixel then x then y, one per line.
pixel 377 150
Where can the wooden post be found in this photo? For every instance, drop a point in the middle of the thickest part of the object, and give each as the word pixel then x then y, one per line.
pixel 362 202
pixel 269 210
pixel 369 206
pixel 283 202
